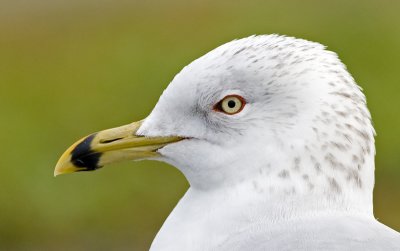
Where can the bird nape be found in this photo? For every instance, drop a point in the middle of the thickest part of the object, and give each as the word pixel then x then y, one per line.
pixel 275 139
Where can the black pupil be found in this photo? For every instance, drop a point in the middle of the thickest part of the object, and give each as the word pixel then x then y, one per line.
pixel 231 103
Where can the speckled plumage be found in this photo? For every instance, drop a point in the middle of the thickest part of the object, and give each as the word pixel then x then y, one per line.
pixel 300 153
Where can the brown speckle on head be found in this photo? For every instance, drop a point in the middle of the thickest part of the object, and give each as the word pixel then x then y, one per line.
pixel 296 163
pixel 342 94
pixel 355 159
pixel 339 146
pixel 334 186
pixel 333 161
pixel 283 174
pixel 354 176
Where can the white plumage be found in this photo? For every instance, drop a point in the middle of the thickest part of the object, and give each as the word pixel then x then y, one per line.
pixel 294 170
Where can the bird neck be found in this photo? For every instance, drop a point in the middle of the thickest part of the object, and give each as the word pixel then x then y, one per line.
pixel 284 182
pixel 272 200
pixel 245 207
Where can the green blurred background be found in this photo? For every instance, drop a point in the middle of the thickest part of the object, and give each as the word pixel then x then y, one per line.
pixel 72 67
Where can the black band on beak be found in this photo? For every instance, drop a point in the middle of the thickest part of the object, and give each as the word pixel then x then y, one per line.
pixel 84 157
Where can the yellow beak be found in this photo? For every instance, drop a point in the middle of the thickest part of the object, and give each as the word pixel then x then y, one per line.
pixel 110 146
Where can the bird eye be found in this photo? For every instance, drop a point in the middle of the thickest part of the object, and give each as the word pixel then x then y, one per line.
pixel 231 104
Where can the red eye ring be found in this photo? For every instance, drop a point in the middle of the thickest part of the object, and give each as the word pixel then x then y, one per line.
pixel 230 104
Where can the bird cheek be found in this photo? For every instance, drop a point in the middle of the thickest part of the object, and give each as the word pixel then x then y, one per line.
pixel 181 151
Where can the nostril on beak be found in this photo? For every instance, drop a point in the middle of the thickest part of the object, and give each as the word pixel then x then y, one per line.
pixel 106 141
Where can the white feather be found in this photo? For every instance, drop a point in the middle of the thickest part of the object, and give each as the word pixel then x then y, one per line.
pixel 293 171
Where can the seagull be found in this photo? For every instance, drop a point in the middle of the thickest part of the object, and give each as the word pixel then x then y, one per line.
pixel 276 141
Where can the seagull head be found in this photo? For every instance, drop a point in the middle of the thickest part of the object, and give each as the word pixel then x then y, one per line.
pixel 280 114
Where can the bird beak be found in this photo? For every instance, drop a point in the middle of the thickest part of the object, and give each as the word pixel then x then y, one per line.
pixel 110 146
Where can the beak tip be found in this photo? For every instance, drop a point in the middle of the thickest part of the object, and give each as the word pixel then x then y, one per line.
pixel 64 167
pixel 57 172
